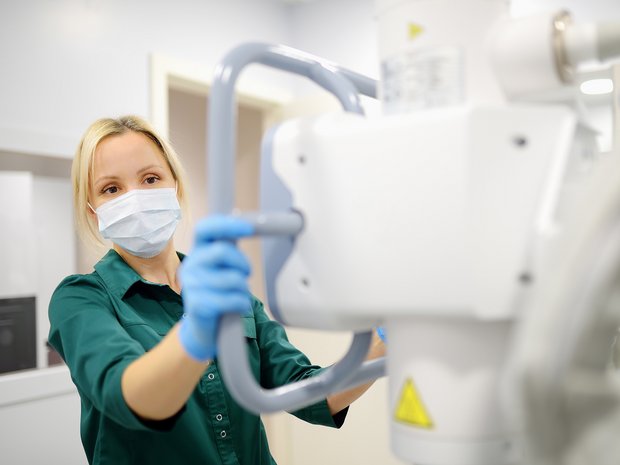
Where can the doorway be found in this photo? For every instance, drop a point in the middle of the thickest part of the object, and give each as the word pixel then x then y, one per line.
pixel 187 123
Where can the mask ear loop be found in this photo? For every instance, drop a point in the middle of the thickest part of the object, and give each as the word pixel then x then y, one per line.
pixel 91 208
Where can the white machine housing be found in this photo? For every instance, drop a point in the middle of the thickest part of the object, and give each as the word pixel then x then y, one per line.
pixel 400 209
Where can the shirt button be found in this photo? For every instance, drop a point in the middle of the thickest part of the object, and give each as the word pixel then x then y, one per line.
pixel 219 417
pixel 211 376
pixel 223 434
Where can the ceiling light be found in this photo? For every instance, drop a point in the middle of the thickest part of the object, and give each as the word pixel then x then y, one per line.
pixel 597 86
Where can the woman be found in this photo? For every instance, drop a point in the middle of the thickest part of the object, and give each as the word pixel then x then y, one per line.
pixel 138 333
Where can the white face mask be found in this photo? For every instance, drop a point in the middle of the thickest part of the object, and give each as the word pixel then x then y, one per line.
pixel 142 221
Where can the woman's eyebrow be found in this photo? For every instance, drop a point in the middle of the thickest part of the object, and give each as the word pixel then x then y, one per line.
pixel 105 178
pixel 140 171
pixel 149 167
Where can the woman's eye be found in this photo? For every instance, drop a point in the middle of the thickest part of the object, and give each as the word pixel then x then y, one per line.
pixel 151 179
pixel 110 190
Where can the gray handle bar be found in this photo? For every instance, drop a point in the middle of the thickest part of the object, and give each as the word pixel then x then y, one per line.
pixel 345 85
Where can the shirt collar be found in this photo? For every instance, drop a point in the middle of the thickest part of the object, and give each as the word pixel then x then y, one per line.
pixel 117 274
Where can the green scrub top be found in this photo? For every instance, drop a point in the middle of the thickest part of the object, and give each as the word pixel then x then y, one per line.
pixel 103 321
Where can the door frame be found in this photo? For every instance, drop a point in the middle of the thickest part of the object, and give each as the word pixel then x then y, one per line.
pixel 172 73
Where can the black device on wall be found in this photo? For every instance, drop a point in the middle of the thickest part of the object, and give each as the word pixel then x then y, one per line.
pixel 18 334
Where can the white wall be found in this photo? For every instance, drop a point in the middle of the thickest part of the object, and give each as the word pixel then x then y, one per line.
pixel 342 31
pixel 67 62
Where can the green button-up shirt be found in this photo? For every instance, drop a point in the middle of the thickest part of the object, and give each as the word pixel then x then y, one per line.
pixel 103 321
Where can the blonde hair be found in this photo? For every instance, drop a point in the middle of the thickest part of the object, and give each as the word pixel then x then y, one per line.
pixel 83 166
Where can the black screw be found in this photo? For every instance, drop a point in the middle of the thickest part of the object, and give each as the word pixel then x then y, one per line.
pixel 519 141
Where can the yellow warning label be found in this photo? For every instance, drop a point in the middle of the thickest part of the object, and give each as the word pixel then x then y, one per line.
pixel 414 30
pixel 410 409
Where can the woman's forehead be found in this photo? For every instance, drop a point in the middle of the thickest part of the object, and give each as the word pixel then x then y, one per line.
pixel 122 154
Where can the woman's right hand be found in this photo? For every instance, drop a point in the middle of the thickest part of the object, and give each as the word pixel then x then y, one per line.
pixel 214 282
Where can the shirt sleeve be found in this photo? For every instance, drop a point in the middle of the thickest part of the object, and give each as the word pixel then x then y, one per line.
pixel 95 346
pixel 282 363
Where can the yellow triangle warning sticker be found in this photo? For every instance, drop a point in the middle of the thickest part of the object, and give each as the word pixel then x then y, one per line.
pixel 414 30
pixel 410 409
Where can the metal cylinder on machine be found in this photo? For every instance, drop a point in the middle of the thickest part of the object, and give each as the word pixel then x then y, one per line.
pixel 444 371
pixel 433 53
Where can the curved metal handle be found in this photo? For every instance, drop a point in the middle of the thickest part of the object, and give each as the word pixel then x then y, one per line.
pixel 342 83
pixel 248 393
pixel 233 360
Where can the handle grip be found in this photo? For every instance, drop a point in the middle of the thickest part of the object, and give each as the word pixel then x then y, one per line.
pixel 345 85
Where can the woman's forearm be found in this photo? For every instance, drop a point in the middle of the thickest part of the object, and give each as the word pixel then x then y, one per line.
pixel 341 400
pixel 157 385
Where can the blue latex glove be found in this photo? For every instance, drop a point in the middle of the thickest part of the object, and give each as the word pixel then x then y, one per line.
pixel 214 282
pixel 381 333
